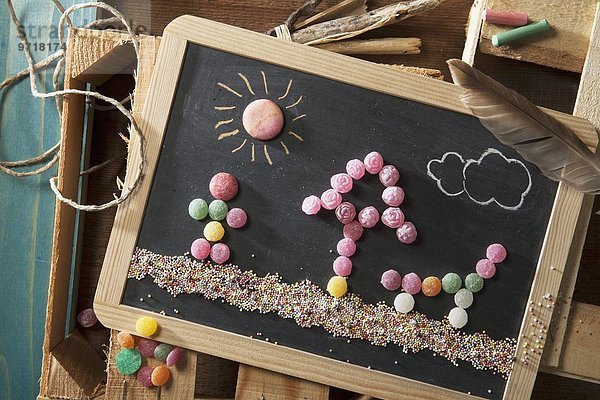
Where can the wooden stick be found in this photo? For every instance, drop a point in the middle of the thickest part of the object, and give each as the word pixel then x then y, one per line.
pixel 428 72
pixel 348 27
pixel 342 9
pixel 375 46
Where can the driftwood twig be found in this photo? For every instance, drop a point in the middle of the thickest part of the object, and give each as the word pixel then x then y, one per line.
pixel 374 46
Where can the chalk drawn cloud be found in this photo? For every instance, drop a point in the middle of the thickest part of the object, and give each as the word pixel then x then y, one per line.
pixel 491 179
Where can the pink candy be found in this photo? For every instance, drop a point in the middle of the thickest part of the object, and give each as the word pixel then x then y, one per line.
pixel 223 186
pixel 496 253
pixel 355 168
pixel 485 268
pixel 373 162
pixel 236 218
pixel 346 247
pixel 342 266
pixel 392 217
pixel 144 376
pixel 368 217
pixel 407 233
pixel 200 249
pixel 341 183
pixel 146 346
pixel 330 199
pixel 353 230
pixel 391 280
pixel 345 212
pixel 220 253
pixel 311 205
pixel 393 196
pixel 389 175
pixel 411 283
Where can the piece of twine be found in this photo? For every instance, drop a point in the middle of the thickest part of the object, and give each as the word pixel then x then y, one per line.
pixel 8 167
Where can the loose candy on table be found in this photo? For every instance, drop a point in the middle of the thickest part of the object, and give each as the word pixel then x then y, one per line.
pixel 198 209
pixel 451 283
pixel 404 303
pixel 217 210
pixel 353 230
pixel 474 282
pixel 200 248
pixel 393 196
pixel 342 266
pixel 463 298
pixel 87 318
pixel 223 186
pixel 345 212
pixel 431 286
pixel 146 326
pixel 458 317
pixel 174 356
pixel 236 218
pixel 160 375
pixel 496 253
pixel 389 175
pixel 126 340
pixel 144 376
pixel 373 162
pixel 128 361
pixel 346 247
pixel 263 119
pixel 162 351
pixel 392 217
pixel 220 253
pixel 485 268
pixel 330 199
pixel 337 286
pixel 214 231
pixel 411 283
pixel 355 168
pixel 341 183
pixel 146 346
pixel 406 233
pixel 368 217
pixel 311 205
pixel 391 280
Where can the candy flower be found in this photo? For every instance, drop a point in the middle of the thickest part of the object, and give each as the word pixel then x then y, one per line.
pixel 393 196
pixel 389 175
pixel 355 168
pixel 341 183
pixel 392 217
pixel 311 205
pixel 345 212
pixel 373 162
pixel 330 199
pixel 368 217
pixel 407 233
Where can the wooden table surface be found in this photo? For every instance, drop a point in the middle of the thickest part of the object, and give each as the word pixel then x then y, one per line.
pixel 442 31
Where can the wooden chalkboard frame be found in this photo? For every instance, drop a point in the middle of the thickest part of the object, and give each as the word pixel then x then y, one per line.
pixel 128 221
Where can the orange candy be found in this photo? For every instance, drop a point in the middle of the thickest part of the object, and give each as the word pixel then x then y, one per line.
pixel 125 340
pixel 160 375
pixel 431 286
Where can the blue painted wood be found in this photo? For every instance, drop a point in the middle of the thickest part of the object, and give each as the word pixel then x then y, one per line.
pixel 27 127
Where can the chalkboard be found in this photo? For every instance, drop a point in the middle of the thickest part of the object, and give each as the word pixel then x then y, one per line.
pixel 464 191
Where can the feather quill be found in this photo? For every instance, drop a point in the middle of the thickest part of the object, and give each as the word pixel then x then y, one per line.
pixel 518 123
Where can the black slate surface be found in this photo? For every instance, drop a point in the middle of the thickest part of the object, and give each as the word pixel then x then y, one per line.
pixel 344 122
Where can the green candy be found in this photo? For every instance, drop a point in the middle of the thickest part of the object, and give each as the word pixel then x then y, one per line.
pixel 128 361
pixel 162 351
pixel 198 209
pixel 473 282
pixel 217 210
pixel 451 283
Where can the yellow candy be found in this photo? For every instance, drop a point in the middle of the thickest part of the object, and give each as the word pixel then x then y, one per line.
pixel 146 326
pixel 214 231
pixel 337 286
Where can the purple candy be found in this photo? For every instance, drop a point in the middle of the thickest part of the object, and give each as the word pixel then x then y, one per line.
pixel 353 230
pixel 174 356
pixel 391 280
pixel 342 266
pixel 144 376
pixel 411 283
pixel 146 346
pixel 485 268
pixel 345 212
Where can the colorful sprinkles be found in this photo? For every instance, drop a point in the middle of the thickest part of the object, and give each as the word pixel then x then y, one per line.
pixel 308 305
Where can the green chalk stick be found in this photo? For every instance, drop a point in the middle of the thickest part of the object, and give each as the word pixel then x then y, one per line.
pixel 520 33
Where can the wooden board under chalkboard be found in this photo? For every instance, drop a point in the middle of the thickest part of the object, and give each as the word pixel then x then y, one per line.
pixel 464 191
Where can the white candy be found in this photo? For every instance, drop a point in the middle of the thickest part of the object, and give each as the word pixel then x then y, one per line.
pixel 458 317
pixel 404 302
pixel 463 298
